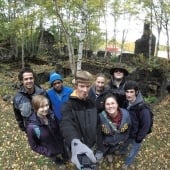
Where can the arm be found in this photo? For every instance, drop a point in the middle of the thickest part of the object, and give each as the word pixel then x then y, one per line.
pixel 35 143
pixel 19 118
pixel 144 125
pixel 17 114
pixel 69 125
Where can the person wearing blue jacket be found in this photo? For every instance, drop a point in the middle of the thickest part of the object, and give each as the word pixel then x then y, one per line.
pixel 140 117
pixel 58 93
pixel 115 126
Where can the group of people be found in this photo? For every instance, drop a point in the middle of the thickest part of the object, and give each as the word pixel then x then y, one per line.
pixel 96 120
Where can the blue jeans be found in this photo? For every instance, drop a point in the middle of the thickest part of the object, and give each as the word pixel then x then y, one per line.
pixel 133 152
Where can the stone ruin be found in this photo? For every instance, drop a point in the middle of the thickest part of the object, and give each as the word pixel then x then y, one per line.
pixel 142 44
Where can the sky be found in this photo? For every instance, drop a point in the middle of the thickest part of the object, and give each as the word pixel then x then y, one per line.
pixel 135 30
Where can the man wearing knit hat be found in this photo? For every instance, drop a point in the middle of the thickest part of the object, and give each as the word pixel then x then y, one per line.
pixel 58 93
pixel 79 122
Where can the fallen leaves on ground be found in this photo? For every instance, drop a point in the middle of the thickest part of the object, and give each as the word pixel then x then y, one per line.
pixel 15 153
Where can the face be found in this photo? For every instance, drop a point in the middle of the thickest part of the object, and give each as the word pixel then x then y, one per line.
pixel 111 106
pixel 130 95
pixel 43 109
pixel 100 82
pixel 83 90
pixel 57 85
pixel 118 74
pixel 28 81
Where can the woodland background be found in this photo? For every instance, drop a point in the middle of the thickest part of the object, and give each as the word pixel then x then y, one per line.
pixel 57 35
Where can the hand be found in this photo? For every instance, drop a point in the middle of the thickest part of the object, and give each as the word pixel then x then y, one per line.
pixel 138 141
pixel 99 156
pixel 77 147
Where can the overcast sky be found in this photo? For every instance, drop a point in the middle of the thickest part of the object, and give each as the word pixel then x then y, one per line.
pixel 135 30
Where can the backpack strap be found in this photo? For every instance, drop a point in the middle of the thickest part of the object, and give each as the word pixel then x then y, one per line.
pixel 103 114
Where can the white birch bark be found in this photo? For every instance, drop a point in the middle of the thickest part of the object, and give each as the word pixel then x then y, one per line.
pixel 82 35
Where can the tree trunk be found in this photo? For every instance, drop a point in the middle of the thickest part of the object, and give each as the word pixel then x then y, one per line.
pixel 67 34
pixel 82 35
pixel 167 35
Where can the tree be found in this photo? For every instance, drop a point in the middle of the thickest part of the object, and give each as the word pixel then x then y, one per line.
pixel 158 13
pixel 125 10
pixel 82 34
pixel 166 19
pixel 67 33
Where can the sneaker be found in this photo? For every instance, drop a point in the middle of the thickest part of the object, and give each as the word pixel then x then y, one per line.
pixel 110 158
pixel 65 157
pixel 124 167
pixel 59 161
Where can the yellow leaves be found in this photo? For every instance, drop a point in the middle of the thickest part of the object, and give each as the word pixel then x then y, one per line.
pixel 117 165
pixel 15 153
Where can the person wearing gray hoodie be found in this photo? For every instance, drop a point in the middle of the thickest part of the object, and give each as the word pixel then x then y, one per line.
pixel 140 117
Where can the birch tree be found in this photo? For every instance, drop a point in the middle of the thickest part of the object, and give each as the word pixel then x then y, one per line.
pixel 166 20
pixel 82 35
pixel 67 33
pixel 158 15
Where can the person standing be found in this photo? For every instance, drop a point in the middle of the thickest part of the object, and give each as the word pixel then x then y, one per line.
pixel 140 117
pixel 22 99
pixel 115 125
pixel 43 132
pixel 117 78
pixel 98 87
pixel 58 93
pixel 115 86
pixel 80 120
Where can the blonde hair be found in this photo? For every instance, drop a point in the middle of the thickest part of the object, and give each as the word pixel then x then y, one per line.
pixel 83 76
pixel 38 101
pixel 100 75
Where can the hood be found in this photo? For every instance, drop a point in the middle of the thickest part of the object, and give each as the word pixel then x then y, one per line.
pixel 139 99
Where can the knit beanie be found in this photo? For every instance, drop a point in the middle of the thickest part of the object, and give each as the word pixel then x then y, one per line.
pixel 55 76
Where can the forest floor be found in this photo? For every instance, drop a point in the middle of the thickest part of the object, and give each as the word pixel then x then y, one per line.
pixel 15 153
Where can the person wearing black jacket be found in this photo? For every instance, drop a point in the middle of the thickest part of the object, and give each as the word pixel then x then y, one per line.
pixel 117 78
pixel 98 87
pixel 79 123
pixel 140 117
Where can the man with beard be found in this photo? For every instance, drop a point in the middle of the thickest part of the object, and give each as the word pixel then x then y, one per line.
pixel 22 100
pixel 58 93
